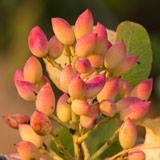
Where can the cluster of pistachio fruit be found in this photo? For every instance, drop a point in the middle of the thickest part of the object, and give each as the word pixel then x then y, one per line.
pixel 91 80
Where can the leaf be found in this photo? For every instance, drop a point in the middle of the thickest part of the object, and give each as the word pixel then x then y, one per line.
pixel 66 139
pixel 54 73
pixel 93 142
pixel 152 138
pixel 138 43
pixel 111 36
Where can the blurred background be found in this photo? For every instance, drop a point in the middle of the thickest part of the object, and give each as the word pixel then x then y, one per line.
pixel 18 17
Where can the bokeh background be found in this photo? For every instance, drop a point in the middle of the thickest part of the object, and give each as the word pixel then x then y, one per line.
pixel 18 17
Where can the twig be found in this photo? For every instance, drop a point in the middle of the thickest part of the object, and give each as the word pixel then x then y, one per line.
pixel 53 63
pixel 77 147
pixel 85 150
pixel 52 154
pixel 96 127
pixel 105 146
pixel 65 125
pixel 60 147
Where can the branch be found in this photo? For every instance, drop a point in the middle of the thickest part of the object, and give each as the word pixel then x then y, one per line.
pixel 55 119
pixel 105 146
pixel 52 154
pixel 77 147
pixel 60 147
pixel 96 127
pixel 53 63
pixel 85 150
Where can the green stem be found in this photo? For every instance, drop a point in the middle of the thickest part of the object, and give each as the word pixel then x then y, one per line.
pixel 52 154
pixel 60 147
pixel 96 127
pixel 85 150
pixel 77 147
pixel 105 146
pixel 65 125
pixel 53 63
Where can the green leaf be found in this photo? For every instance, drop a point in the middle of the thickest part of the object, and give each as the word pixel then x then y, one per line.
pixel 93 142
pixel 66 139
pixel 138 43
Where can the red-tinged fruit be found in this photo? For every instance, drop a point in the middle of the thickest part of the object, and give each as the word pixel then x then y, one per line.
pixel 38 43
pixel 124 88
pixel 40 123
pixel 14 120
pixel 89 41
pixel 55 47
pixel 108 108
pixel 125 102
pixel 83 65
pixel 143 90
pixel 80 107
pixel 109 90
pixel 96 60
pixel 15 155
pixel 27 134
pixel 84 24
pixel 94 85
pixel 66 76
pixel 77 88
pixel 32 70
pixel 138 154
pixel 126 65
pixel 127 134
pixel 135 111
pixel 42 82
pixel 26 90
pixel 18 75
pixel 45 101
pixel 63 108
pixel 91 118
pixel 63 31
pixel 115 55
pixel 101 38
pixel 109 45
pixel 27 150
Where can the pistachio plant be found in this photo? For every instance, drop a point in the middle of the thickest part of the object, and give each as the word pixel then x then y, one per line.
pixel 89 67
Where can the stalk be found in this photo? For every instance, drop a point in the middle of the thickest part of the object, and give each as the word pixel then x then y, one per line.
pixel 52 154
pixel 60 147
pixel 77 147
pixel 55 119
pixel 94 129
pixel 105 146
pixel 53 63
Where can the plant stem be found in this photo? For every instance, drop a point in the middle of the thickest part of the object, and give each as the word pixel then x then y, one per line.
pixel 105 146
pixel 60 147
pixel 53 63
pixel 72 50
pixel 85 150
pixel 96 127
pixel 52 154
pixel 65 125
pixel 133 149
pixel 69 60
pixel 77 147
